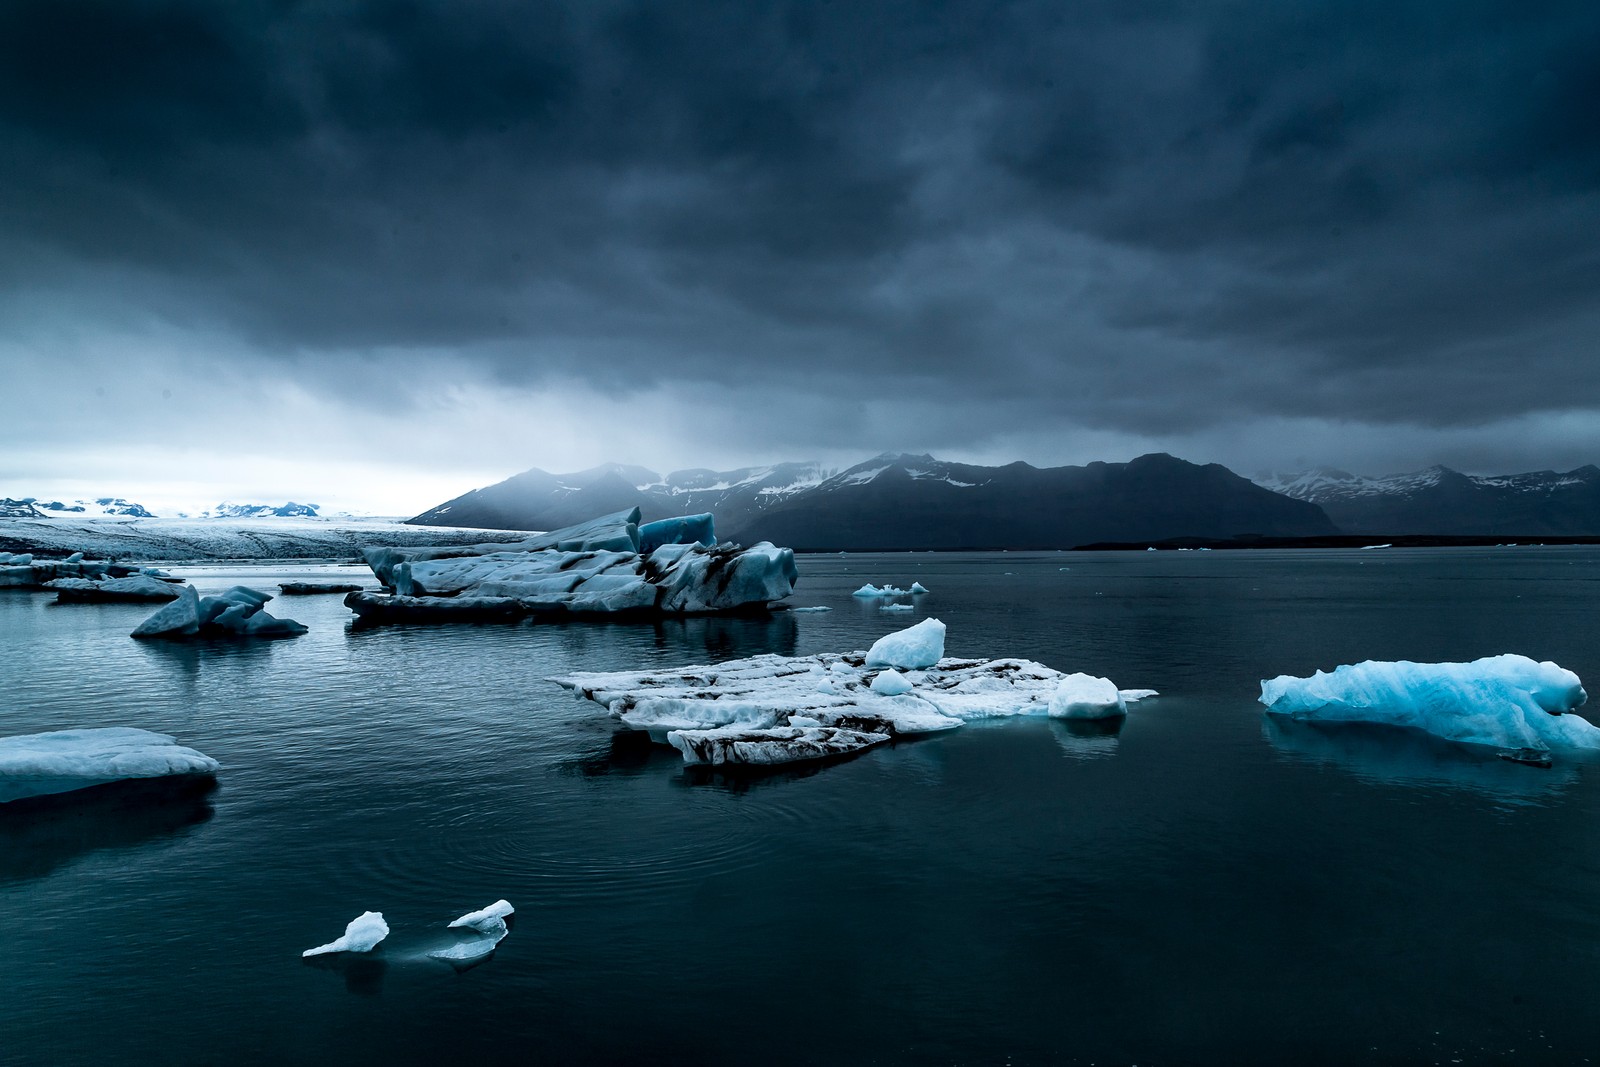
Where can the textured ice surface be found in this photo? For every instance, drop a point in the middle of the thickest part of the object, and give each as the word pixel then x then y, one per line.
pixel 1508 701
pixel 485 916
pixel 235 613
pixel 592 568
pixel 491 931
pixel 362 935
pixel 64 760
pixel 682 530
pixel 134 587
pixel 921 645
pixel 870 591
pixel 1083 696
pixel 777 709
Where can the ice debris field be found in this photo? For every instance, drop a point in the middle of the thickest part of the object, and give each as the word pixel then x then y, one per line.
pixel 771 709
pixel 1509 702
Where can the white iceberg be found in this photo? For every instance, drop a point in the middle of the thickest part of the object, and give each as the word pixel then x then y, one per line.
pixel 63 760
pixel 919 646
pixel 918 588
pixel 1083 696
pixel 777 709
pixel 235 613
pixel 484 917
pixel 604 566
pixel 362 935
pixel 1508 701
pixel 870 591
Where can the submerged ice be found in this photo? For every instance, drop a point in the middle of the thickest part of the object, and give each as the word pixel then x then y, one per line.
pixel 63 760
pixel 1507 701
pixel 780 709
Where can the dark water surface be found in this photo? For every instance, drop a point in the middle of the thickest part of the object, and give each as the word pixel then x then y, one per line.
pixel 1202 887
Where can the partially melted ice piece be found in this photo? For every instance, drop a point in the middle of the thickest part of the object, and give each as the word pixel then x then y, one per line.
pixel 921 645
pixel 1083 696
pixel 362 935
pixel 485 917
pixel 63 760
pixel 779 709
pixel 235 613
pixel 491 930
pixel 1507 701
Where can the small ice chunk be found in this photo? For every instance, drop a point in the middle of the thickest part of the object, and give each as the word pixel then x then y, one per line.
pixel 890 683
pixel 478 919
pixel 1083 696
pixel 897 607
pixel 362 935
pixel 818 607
pixel 918 587
pixel 64 760
pixel 919 646
pixel 493 930
pixel 1129 696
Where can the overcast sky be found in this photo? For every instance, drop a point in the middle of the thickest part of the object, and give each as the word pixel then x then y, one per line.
pixel 373 255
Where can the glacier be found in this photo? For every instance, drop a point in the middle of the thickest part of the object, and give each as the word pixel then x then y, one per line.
pixel 1508 701
pixel 363 934
pixel 773 709
pixel 60 761
pixel 606 565
pixel 235 613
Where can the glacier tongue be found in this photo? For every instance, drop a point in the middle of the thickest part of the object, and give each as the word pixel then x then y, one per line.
pixel 1508 701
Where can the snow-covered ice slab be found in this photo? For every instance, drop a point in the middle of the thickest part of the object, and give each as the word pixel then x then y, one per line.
pixel 138 587
pixel 612 569
pixel 235 613
pixel 778 709
pixel 1509 701
pixel 363 934
pixel 63 760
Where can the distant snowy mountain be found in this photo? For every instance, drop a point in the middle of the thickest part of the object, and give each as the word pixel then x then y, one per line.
pixel 230 510
pixel 1439 500
pixel 98 507
pixel 908 502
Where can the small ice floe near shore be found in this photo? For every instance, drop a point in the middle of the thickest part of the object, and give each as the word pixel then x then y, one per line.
pixel 1510 702
pixel 235 613
pixel 317 588
pixel 362 935
pixel 25 570
pixel 61 761
pixel 137 588
pixel 772 709
pixel 608 565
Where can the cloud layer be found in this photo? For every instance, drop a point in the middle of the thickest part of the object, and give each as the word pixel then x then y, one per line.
pixel 1349 232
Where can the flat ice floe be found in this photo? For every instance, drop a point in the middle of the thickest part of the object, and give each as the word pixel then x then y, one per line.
pixel 780 709
pixel 63 760
pixel 137 587
pixel 607 565
pixel 1510 701
pixel 235 613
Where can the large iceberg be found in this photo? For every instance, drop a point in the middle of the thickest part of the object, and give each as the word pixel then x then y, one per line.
pixel 604 566
pixel 63 760
pixel 1510 701
pixel 778 709
pixel 235 613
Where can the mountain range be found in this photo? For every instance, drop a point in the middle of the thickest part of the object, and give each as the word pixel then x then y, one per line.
pixel 1442 501
pixel 903 502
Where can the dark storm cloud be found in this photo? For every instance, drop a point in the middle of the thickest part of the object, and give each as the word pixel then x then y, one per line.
pixel 1147 212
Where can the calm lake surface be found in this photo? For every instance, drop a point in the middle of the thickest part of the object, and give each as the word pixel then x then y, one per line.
pixel 1203 887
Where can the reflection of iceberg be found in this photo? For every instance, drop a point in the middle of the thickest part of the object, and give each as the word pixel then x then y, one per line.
pixel 1088 738
pixel 771 709
pixel 605 566
pixel 1409 757
pixel 39 834
pixel 1507 701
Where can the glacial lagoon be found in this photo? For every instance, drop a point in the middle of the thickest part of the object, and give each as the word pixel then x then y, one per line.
pixel 1196 884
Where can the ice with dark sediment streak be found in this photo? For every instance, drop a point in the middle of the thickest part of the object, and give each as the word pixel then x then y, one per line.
pixel 1508 701
pixel 605 566
pixel 778 709
pixel 60 761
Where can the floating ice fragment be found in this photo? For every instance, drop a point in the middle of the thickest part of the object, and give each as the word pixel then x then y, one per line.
pixel 63 760
pixel 476 919
pixel 918 587
pixel 897 607
pixel 235 613
pixel 493 931
pixel 921 645
pixel 1507 701
pixel 1083 696
pixel 362 935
